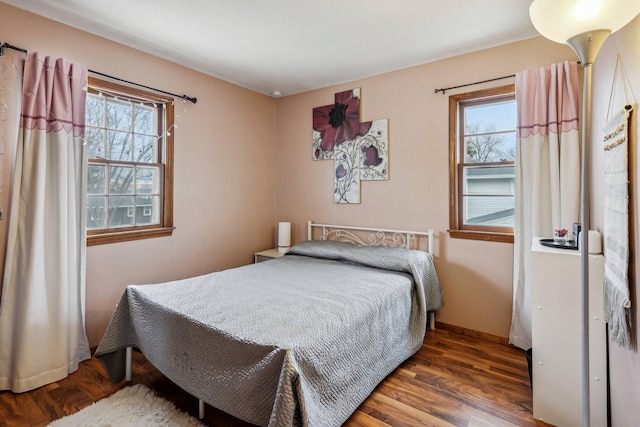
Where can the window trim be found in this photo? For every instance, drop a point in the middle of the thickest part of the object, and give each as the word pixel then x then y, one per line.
pixel 165 228
pixel 456 227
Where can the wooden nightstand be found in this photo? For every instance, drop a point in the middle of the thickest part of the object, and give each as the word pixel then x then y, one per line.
pixel 267 255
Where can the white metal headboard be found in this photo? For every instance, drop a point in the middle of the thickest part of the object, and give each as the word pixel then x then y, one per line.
pixel 373 236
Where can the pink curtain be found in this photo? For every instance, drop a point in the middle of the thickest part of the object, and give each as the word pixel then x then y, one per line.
pixel 42 333
pixel 547 173
pixel 547 100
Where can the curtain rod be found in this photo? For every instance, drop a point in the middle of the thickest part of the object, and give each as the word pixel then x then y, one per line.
pixel 183 97
pixel 443 90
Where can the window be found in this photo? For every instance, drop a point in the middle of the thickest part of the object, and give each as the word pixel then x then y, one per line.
pixel 482 151
pixel 130 171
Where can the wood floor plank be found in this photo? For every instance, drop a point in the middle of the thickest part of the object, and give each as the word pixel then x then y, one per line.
pixel 360 419
pixel 397 413
pixel 453 380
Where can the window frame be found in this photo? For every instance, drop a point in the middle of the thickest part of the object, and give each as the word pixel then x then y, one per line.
pixel 166 159
pixel 457 228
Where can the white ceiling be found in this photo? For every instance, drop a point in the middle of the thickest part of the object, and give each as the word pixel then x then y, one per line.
pixel 293 46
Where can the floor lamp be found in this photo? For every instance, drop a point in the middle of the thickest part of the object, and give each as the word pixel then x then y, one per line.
pixel 584 25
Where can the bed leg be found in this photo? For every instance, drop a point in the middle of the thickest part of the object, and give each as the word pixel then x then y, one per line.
pixel 128 364
pixel 200 409
pixel 432 320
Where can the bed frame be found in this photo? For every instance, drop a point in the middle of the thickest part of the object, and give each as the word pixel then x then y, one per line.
pixel 373 236
pixel 361 236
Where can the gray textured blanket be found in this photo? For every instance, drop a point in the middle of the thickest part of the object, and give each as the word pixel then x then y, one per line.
pixel 301 340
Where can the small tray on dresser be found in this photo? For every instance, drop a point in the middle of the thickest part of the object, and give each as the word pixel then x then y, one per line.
pixel 552 244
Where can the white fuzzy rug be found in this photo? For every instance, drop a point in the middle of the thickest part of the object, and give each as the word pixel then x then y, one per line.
pixel 131 406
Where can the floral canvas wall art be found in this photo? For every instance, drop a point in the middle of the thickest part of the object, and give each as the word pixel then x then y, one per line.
pixel 374 153
pixel 359 149
pixel 336 123
pixel 346 180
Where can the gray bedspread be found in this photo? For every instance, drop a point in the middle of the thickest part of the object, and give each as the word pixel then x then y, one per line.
pixel 300 340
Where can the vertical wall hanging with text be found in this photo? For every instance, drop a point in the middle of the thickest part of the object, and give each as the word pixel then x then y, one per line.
pixel 619 209
pixel 360 150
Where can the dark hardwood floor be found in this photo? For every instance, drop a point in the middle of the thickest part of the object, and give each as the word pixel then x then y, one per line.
pixel 454 380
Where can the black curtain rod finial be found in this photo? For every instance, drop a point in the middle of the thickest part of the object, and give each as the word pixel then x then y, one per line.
pixel 4 45
pixel 193 100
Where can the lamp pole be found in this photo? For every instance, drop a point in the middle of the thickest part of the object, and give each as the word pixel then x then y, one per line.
pixel 586 45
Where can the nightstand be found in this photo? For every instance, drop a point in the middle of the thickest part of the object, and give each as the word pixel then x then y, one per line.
pixel 267 255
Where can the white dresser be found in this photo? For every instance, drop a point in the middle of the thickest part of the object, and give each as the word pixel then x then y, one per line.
pixel 557 337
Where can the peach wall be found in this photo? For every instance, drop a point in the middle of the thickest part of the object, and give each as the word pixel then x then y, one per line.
pixel 476 276
pixel 224 167
pixel 624 365
pixel 229 164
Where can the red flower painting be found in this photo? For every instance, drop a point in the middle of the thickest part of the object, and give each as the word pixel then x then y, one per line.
pixel 359 150
pixel 339 122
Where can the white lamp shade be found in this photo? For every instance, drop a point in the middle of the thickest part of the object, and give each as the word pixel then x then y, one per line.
pixel 284 236
pixel 559 20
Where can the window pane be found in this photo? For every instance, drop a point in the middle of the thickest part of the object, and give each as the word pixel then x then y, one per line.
pixel 96 212
pixel 118 115
pixel 490 147
pixel 96 179
pixel 120 179
pixel 145 149
pixel 489 211
pixel 489 196
pixel 147 180
pixel 497 180
pixel 494 117
pixel 147 210
pixel 143 119
pixel 95 143
pixel 121 209
pixel 94 112
pixel 119 146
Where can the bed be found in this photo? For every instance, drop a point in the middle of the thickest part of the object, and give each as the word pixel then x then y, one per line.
pixel 300 340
